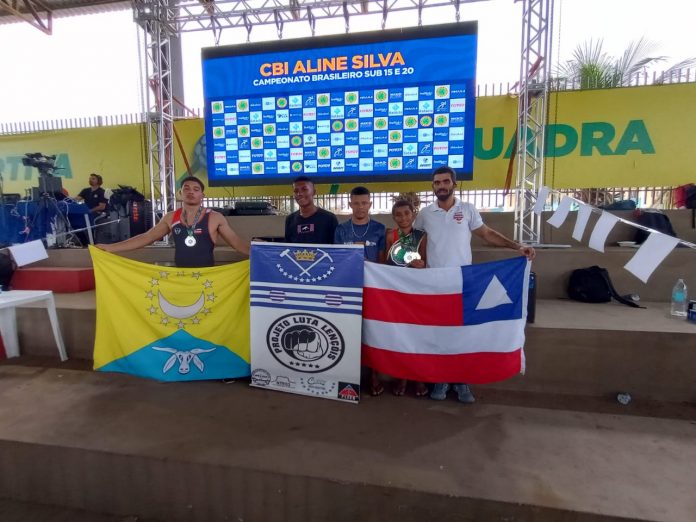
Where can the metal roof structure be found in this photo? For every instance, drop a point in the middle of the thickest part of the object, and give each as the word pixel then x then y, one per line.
pixel 164 20
pixel 40 13
pixel 215 15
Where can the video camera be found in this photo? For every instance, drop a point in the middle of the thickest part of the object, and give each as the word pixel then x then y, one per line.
pixel 48 183
pixel 45 164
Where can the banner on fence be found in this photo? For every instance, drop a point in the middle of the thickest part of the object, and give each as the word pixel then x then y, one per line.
pixel 627 137
pixel 306 314
pixel 168 323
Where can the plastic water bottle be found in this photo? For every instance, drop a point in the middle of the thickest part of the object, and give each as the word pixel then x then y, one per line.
pixel 679 299
pixel 531 298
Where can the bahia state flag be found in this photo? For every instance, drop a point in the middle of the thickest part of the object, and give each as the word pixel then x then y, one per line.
pixel 461 324
pixel 169 323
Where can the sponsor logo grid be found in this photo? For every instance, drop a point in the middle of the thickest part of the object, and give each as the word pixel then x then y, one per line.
pixel 375 130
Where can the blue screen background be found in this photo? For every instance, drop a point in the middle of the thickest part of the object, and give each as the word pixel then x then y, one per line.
pixel 393 122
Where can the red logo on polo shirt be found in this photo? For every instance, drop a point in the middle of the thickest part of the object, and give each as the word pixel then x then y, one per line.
pixel 458 216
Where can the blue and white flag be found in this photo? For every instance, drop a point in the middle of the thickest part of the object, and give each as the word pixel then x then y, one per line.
pixel 306 317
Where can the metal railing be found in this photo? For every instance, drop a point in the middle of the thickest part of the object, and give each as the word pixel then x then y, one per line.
pixel 26 127
pixel 640 79
pixel 486 200
pixel 644 197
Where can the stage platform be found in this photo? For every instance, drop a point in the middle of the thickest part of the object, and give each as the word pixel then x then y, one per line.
pixel 210 451
pixel 552 445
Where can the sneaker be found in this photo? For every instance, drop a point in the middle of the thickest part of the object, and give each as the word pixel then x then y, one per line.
pixel 439 392
pixel 464 393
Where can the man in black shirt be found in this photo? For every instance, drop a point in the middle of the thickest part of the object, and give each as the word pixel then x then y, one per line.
pixel 310 224
pixel 93 196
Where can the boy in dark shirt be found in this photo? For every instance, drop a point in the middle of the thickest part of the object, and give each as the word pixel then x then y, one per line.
pixel 309 224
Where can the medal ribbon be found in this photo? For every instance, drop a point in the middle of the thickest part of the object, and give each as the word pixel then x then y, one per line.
pixel 406 239
pixel 189 229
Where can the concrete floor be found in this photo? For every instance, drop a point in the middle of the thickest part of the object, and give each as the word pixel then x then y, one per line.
pixel 11 511
pixel 507 450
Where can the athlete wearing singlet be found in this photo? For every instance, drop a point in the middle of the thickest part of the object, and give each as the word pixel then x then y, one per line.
pixel 200 254
pixel 194 228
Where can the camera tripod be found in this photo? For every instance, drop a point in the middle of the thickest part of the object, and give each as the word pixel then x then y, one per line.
pixel 52 224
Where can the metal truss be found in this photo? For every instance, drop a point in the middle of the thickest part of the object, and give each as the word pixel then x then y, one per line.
pixel 537 23
pixel 33 12
pixel 155 18
pixel 216 15
pixel 160 22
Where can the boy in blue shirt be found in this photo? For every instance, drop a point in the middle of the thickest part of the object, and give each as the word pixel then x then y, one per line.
pixel 360 229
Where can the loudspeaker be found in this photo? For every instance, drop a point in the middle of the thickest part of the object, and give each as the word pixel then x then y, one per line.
pixel 139 217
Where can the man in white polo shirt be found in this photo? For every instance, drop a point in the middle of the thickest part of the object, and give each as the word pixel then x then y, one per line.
pixel 449 223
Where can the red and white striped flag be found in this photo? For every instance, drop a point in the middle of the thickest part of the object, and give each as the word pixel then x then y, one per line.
pixel 462 324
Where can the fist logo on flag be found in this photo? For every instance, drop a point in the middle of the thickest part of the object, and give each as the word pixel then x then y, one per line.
pixel 305 342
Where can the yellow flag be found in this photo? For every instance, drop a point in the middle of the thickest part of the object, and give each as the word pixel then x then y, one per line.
pixel 169 323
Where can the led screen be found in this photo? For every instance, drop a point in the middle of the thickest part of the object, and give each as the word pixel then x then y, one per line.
pixel 382 106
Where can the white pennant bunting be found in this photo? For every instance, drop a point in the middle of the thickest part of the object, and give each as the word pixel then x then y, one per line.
pixel 651 254
pixel 584 213
pixel 25 253
pixel 601 230
pixel 561 213
pixel 541 200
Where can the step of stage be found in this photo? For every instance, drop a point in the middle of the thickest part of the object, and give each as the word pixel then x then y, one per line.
pixel 572 348
pixel 60 280
pixel 119 445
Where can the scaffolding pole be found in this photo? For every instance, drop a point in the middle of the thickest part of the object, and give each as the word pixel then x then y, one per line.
pixel 155 18
pixel 537 23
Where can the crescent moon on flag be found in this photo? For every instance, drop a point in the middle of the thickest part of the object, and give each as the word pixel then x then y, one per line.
pixel 181 312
